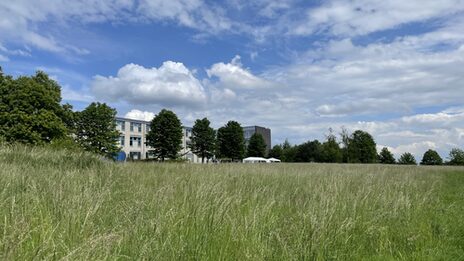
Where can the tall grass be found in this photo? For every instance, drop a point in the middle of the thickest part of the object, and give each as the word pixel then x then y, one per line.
pixel 68 205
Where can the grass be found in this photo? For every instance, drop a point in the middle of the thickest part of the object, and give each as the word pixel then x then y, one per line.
pixel 66 205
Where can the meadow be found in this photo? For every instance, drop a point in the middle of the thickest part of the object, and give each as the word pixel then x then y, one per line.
pixel 57 204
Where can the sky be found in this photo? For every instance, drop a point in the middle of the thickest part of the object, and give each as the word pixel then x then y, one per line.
pixel 393 68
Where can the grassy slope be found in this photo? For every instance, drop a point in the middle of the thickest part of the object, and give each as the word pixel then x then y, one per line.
pixel 59 204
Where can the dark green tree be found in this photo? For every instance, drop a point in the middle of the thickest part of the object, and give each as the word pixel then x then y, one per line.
pixel 407 159
pixel 30 110
pixel 431 157
pixel 308 152
pixel 231 143
pixel 330 150
pixel 203 139
pixel 276 152
pixel 256 146
pixel 456 157
pixel 386 157
pixel 361 148
pixel 96 129
pixel 165 135
pixel 288 152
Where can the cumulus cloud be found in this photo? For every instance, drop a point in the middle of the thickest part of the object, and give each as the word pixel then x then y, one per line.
pixel 172 84
pixel 233 76
pixel 140 115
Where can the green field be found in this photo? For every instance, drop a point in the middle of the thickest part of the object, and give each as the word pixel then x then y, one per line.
pixel 58 204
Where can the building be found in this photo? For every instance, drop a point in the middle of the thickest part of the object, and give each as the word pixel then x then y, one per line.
pixel 248 131
pixel 133 137
pixel 133 133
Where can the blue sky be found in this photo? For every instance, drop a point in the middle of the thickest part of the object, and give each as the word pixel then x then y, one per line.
pixel 393 68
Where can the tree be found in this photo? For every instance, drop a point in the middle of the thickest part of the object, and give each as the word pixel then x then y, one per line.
pixel 361 148
pixel 431 157
pixel 309 152
pixel 165 135
pixel 330 150
pixel 256 146
pixel 96 129
pixel 203 139
pixel 407 159
pixel 30 110
pixel 276 152
pixel 231 143
pixel 456 157
pixel 288 152
pixel 386 157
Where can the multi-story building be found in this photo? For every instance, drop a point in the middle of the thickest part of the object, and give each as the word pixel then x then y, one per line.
pixel 248 131
pixel 132 140
pixel 133 134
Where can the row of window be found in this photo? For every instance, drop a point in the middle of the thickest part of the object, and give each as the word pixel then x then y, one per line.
pixel 133 141
pixel 134 126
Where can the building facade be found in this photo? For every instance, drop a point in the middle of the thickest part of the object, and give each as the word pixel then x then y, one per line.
pixel 133 135
pixel 248 131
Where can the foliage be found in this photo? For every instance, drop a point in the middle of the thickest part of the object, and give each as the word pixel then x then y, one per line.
pixel 74 206
pixel 407 159
pixel 231 143
pixel 256 146
pixel 431 157
pixel 203 139
pixel 360 148
pixel 276 152
pixel 456 157
pixel 386 157
pixel 165 135
pixel 288 152
pixel 308 152
pixel 30 110
pixel 96 129
pixel 331 151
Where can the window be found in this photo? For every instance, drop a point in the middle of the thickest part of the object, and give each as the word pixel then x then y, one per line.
pixel 121 140
pixel 136 127
pixel 135 155
pixel 147 128
pixel 135 141
pixel 121 125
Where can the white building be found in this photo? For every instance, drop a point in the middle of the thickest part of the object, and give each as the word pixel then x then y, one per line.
pixel 133 137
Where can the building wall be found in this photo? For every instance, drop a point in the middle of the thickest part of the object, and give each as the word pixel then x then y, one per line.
pixel 248 131
pixel 136 131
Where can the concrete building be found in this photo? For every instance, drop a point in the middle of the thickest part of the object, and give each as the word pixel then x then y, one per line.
pixel 248 131
pixel 133 137
pixel 133 133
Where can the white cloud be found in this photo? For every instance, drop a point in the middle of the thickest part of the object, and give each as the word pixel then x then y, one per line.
pixel 140 115
pixel 359 17
pixel 172 84
pixel 233 76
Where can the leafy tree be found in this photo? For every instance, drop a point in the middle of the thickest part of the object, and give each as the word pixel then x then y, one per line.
pixel 361 148
pixel 203 139
pixel 96 129
pixel 276 152
pixel 231 143
pixel 330 150
pixel 257 146
pixel 431 157
pixel 288 152
pixel 407 159
pixel 165 135
pixel 386 157
pixel 30 110
pixel 456 157
pixel 309 152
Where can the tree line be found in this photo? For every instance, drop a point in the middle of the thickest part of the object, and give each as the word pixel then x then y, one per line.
pixel 31 112
pixel 357 147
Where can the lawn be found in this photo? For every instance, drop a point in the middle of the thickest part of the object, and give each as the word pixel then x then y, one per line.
pixel 65 205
